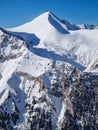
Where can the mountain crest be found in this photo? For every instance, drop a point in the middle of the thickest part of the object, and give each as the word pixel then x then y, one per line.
pixel 45 24
pixel 43 85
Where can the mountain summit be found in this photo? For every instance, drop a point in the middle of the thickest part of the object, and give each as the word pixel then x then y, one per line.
pixel 46 22
pixel 43 25
pixel 62 37
pixel 49 76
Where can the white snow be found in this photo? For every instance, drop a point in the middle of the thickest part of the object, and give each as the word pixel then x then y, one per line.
pixel 46 41
pixel 78 48
pixel 41 26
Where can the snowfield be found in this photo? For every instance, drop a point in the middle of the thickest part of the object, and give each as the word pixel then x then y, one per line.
pixel 78 45
pixel 48 75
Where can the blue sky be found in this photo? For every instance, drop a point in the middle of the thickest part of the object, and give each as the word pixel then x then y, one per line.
pixel 16 12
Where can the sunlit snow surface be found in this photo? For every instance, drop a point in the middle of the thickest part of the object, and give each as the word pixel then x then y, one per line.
pixel 79 46
pixel 35 55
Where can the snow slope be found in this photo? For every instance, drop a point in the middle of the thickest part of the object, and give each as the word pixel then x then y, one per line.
pixel 45 24
pixel 44 82
pixel 57 36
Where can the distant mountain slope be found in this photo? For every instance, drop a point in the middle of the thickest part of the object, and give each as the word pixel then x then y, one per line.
pixel 87 26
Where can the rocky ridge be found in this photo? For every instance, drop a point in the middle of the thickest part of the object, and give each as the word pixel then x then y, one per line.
pixel 40 89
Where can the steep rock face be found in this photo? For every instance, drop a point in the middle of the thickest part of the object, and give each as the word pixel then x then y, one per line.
pixel 63 98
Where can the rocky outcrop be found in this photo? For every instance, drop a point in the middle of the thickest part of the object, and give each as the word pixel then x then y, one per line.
pixel 78 93
pixel 59 98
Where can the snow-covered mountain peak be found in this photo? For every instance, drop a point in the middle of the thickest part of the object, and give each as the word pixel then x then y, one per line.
pixel 43 85
pixel 45 14
pixel 60 37
pixel 44 25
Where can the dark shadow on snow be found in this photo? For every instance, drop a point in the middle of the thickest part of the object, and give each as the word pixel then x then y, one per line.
pixel 29 38
pixel 55 57
pixel 57 25
pixel 32 40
